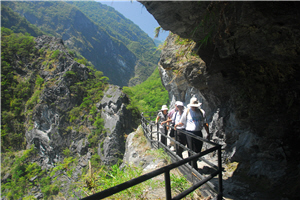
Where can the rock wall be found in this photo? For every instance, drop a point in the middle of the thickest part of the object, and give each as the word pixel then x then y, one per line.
pixel 243 65
pixel 51 133
pixel 49 114
pixel 117 123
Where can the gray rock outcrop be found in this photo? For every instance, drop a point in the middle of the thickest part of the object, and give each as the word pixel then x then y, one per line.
pixel 48 116
pixel 49 134
pixel 136 154
pixel 117 123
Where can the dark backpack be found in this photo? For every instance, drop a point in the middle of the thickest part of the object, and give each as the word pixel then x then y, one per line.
pixel 188 111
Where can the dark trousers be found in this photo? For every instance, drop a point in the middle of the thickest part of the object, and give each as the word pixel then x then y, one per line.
pixel 163 139
pixel 181 138
pixel 195 145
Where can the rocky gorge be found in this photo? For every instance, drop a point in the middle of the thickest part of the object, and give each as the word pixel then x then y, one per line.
pixel 241 60
pixel 70 115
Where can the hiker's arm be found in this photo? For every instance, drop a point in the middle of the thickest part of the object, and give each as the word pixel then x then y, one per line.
pixel 157 118
pixel 179 124
pixel 167 121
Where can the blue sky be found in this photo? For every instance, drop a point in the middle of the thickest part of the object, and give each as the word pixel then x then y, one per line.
pixel 138 14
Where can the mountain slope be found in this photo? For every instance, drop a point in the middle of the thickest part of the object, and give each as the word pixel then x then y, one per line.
pixel 80 33
pixel 126 31
pixel 16 23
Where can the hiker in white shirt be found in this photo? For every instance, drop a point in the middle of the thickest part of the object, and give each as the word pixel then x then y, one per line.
pixel 194 119
pixel 180 137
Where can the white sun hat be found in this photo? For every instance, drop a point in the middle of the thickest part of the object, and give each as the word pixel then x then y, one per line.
pixel 164 107
pixel 179 103
pixel 176 103
pixel 194 102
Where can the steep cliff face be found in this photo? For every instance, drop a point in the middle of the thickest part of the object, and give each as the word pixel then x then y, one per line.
pixel 241 59
pixel 50 134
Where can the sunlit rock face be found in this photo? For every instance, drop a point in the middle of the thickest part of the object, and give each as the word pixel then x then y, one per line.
pixel 49 113
pixel 244 68
pixel 117 123
pixel 50 134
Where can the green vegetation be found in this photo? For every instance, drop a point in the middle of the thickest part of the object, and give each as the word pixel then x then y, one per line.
pixel 148 96
pixel 91 92
pixel 24 175
pixel 179 184
pixel 105 178
pixel 20 92
pixel 15 91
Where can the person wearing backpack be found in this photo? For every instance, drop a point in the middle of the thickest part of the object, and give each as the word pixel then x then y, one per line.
pixel 162 116
pixel 194 119
pixel 181 137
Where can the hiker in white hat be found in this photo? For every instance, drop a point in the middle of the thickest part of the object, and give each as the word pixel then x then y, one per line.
pixel 163 116
pixel 170 116
pixel 171 112
pixel 181 137
pixel 194 120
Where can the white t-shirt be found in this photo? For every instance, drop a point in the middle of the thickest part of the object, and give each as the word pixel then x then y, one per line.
pixel 194 120
pixel 177 119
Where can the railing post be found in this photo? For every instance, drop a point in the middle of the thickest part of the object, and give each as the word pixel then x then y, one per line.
pixel 176 139
pixel 168 185
pixel 151 133
pixel 220 195
pixel 157 128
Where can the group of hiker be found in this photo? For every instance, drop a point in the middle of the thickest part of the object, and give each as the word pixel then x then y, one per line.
pixel 191 119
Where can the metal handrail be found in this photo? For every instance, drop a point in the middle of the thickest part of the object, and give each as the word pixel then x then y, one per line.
pixel 157 144
pixel 166 170
pixel 187 134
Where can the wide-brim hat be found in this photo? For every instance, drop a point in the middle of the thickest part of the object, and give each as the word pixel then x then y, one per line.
pixel 194 102
pixel 164 107
pixel 179 103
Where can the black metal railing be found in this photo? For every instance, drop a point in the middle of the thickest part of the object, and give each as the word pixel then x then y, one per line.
pixel 190 173
pixel 180 163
